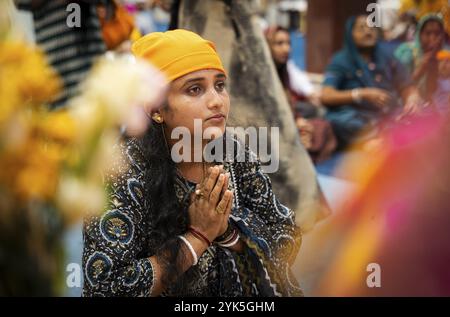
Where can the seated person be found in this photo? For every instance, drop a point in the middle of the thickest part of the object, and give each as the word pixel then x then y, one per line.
pixel 189 227
pixel 419 56
pixel 316 133
pixel 363 85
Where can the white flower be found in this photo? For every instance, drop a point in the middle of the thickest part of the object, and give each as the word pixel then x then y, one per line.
pixel 121 84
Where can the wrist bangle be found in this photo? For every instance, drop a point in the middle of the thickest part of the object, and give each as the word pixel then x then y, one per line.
pixel 232 243
pixel 356 95
pixel 200 236
pixel 227 234
pixel 191 249
pixel 229 238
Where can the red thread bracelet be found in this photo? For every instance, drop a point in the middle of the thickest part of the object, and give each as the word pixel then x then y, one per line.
pixel 197 236
pixel 200 235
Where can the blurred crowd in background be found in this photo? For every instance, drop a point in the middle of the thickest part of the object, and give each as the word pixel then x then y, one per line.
pixel 381 100
pixel 402 64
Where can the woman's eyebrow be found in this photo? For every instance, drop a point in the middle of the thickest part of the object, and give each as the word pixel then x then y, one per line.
pixel 189 81
pixel 196 79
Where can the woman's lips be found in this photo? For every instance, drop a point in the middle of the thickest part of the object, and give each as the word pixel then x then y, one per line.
pixel 217 118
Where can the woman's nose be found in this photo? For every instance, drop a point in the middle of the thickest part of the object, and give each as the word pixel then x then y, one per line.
pixel 214 99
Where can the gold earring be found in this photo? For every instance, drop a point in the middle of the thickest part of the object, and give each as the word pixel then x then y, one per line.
pixel 157 117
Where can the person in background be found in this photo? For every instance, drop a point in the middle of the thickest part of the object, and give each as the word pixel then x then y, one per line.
pixel 143 16
pixel 315 133
pixel 70 50
pixel 295 81
pixel 363 85
pixel 419 56
pixel 118 25
pixel 441 98
pixel 421 8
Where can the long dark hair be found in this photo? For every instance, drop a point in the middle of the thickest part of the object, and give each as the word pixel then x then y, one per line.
pixel 282 71
pixel 168 217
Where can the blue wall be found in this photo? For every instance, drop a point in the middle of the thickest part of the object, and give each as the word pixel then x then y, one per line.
pixel 298 49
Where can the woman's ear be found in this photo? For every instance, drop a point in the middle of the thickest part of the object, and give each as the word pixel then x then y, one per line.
pixel 157 117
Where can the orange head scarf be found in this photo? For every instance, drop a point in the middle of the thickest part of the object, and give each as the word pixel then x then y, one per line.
pixel 177 52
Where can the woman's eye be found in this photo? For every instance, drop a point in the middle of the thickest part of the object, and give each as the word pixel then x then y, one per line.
pixel 220 86
pixel 195 90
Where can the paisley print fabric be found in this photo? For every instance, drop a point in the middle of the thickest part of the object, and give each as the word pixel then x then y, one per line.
pixel 116 246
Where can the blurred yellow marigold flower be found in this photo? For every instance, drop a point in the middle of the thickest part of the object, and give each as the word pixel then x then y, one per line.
pixel 25 78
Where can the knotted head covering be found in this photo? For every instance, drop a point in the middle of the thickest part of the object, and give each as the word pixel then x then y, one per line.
pixel 177 52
